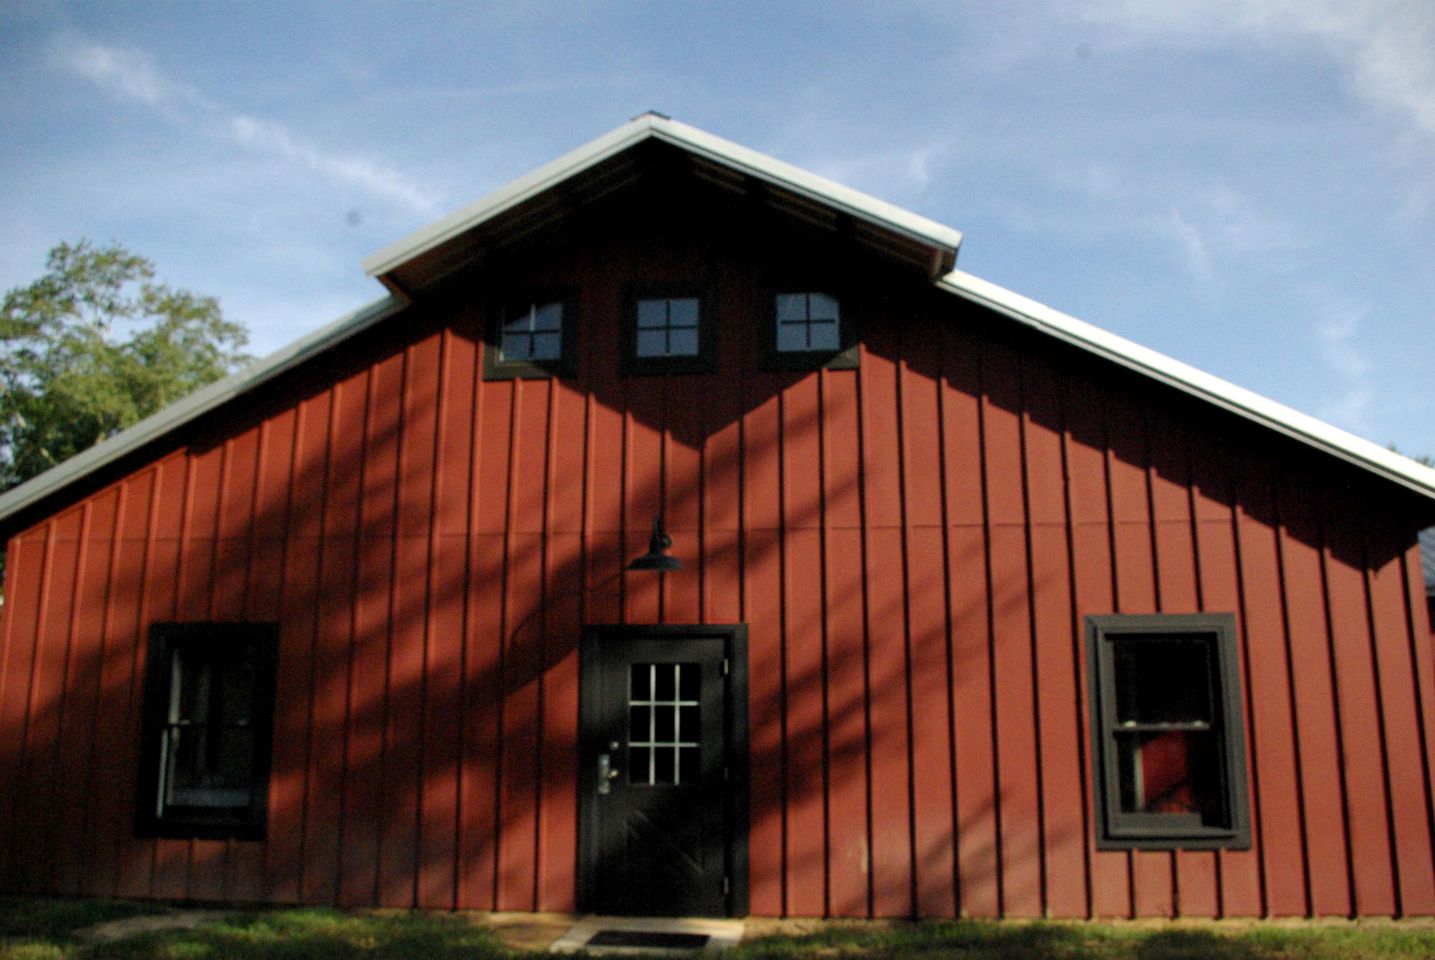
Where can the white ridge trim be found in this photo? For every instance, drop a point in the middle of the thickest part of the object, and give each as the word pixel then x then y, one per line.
pixel 691 139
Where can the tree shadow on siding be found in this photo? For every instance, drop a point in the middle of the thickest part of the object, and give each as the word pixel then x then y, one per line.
pixel 396 783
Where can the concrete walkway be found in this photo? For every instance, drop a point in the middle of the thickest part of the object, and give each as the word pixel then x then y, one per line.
pixel 113 930
pixel 720 934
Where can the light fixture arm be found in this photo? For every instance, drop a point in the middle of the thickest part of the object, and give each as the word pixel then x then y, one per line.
pixel 657 557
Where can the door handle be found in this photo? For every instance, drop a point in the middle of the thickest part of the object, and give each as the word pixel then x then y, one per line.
pixel 606 774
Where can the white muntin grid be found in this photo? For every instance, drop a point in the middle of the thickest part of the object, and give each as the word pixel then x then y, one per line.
pixel 648 740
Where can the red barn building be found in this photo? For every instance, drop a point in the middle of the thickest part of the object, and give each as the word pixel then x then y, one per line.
pixel 970 609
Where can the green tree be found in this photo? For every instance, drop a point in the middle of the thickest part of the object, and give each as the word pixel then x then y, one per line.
pixel 95 345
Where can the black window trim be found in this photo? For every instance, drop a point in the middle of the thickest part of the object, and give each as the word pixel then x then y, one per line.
pixel 845 357
pixel 1124 831
pixel 164 639
pixel 566 365
pixel 704 361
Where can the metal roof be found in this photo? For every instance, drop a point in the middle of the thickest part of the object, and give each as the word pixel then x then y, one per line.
pixel 441 242
pixel 195 405
pixel 944 240
pixel 1252 406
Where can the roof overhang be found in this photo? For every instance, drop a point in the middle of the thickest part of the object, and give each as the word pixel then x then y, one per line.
pixel 591 170
pixel 154 427
pixel 1427 559
pixel 610 162
pixel 1158 366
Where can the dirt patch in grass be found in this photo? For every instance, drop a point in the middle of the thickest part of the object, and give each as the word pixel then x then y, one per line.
pixel 53 918
pixel 75 930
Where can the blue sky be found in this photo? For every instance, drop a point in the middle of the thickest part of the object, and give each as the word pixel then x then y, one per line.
pixel 1246 186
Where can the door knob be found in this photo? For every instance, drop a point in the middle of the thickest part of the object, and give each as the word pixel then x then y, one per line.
pixel 606 773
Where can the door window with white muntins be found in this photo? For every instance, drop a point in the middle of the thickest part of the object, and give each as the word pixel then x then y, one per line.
pixel 664 724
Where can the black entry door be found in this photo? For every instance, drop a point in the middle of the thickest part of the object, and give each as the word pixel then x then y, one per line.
pixel 663 776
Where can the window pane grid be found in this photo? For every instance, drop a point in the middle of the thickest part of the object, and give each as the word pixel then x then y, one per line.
pixel 208 737
pixel 807 321
pixel 663 725
pixel 668 327
pixel 535 333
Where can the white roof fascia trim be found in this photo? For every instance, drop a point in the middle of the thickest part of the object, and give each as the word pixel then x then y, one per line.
pixel 509 195
pixel 195 405
pixel 811 185
pixel 696 141
pixel 1223 393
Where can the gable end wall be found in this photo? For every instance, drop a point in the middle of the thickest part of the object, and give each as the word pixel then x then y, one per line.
pixel 913 545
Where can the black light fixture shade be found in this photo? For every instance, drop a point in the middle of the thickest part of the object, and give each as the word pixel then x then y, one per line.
pixel 657 556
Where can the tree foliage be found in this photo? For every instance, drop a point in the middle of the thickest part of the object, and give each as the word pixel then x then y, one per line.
pixel 95 345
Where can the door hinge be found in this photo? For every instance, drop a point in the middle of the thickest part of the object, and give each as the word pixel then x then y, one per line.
pixel 726 886
pixel 724 666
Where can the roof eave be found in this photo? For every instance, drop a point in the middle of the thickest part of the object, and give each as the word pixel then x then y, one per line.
pixel 1252 406
pixel 154 427
pixel 942 240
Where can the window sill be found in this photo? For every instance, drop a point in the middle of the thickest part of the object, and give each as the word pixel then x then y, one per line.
pixel 1136 840
pixel 527 371
pixel 176 829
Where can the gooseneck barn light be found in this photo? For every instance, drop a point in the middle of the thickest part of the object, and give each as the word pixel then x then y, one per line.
pixel 657 556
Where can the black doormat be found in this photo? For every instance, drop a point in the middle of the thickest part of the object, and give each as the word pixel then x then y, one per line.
pixel 648 938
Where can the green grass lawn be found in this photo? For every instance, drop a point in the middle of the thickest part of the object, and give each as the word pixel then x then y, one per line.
pixel 45 929
pixel 974 940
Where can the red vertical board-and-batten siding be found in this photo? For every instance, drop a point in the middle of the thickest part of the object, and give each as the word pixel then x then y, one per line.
pixel 913 544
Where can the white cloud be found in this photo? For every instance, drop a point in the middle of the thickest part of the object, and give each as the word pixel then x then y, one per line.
pixel 1198 259
pixel 910 169
pixel 273 138
pixel 1210 225
pixel 1386 47
pixel 1244 226
pixel 132 75
pixel 126 73
pixel 1338 334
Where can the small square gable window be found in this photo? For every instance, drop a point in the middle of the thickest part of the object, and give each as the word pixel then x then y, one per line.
pixel 668 331
pixel 807 321
pixel 806 330
pixel 533 337
pixel 668 327
pixel 535 333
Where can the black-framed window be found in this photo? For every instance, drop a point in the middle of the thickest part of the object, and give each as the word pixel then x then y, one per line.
pixel 534 336
pixel 1169 745
pixel 668 327
pixel 806 329
pixel 669 330
pixel 208 730
pixel 808 322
